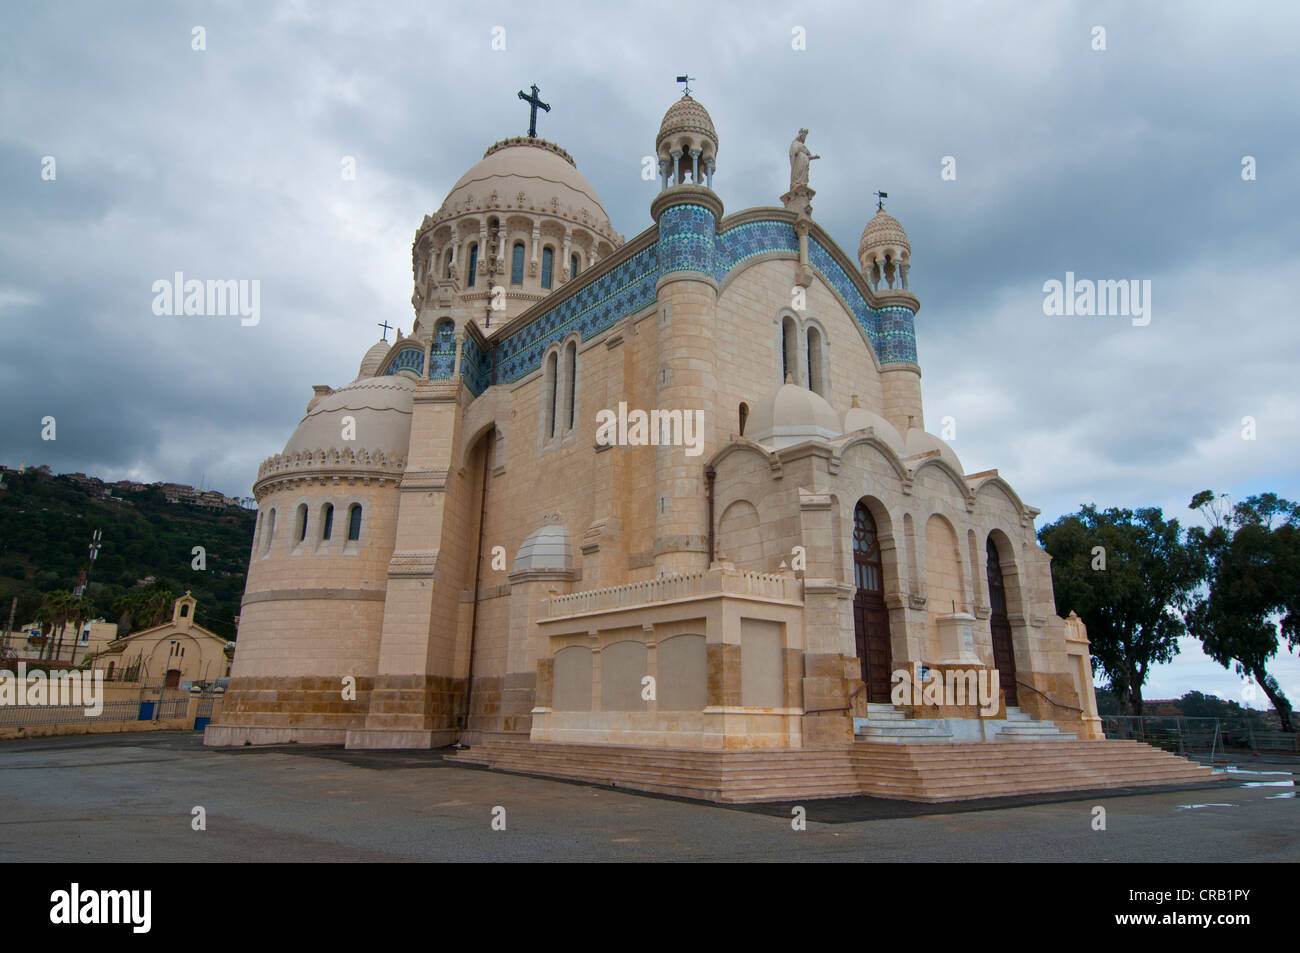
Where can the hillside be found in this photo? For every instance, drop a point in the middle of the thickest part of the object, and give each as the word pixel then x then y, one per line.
pixel 45 527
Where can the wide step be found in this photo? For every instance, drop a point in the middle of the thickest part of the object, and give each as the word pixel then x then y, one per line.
pixel 926 771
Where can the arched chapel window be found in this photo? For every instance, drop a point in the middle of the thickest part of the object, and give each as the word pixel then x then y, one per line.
pixel 302 521
pixel 573 267
pixel 354 521
pixel 327 521
pixel 866 551
pixel 548 264
pixel 517 264
pixel 451 252
pixel 473 264
pixel 744 417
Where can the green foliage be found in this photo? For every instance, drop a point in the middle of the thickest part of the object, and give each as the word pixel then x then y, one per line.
pixel 1251 552
pixel 45 527
pixel 1131 606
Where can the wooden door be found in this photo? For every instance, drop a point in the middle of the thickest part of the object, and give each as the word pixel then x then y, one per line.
pixel 870 617
pixel 1004 655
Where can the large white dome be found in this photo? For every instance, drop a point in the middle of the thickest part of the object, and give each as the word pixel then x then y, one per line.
pixel 543 172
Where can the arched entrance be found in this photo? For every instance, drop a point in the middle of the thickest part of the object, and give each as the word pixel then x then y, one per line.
pixel 1004 656
pixel 870 617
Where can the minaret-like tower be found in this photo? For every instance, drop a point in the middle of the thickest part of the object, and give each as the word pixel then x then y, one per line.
pixel 885 255
pixel 687 212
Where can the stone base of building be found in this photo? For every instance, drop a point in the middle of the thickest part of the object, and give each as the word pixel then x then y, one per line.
pixel 224 736
pixel 401 737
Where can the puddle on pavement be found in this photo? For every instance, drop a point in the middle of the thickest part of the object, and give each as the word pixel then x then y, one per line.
pixel 1194 806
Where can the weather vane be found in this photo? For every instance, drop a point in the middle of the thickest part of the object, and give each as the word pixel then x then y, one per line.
pixel 685 81
pixel 880 199
pixel 534 103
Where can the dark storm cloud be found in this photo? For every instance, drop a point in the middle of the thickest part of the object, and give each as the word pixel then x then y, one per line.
pixel 226 164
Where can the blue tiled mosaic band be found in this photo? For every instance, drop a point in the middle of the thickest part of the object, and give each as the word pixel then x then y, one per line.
pixel 407 359
pixel 686 243
pixel 442 358
pixel 687 234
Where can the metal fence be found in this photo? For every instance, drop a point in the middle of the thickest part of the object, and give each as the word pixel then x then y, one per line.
pixel 1170 732
pixel 23 716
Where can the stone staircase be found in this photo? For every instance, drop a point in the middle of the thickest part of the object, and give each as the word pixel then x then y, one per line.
pixel 928 771
pixel 1019 725
pixel 889 724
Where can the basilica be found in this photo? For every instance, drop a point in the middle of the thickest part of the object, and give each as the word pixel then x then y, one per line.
pixel 452 550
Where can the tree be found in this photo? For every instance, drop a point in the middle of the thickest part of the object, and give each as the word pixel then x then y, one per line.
pixel 142 608
pixel 1127 573
pixel 1251 554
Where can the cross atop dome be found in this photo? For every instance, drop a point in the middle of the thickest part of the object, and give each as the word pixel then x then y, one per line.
pixel 534 102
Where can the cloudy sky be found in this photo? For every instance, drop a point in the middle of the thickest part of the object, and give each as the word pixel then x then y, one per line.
pixel 225 162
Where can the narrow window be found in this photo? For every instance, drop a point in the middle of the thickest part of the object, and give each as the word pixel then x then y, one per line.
pixel 517 264
pixel 450 253
pixel 354 521
pixel 473 263
pixel 550 391
pixel 571 382
pixel 744 416
pixel 327 521
pixel 573 267
pixel 185 611
pixel 270 533
pixel 789 351
pixel 816 363
pixel 548 263
pixel 302 521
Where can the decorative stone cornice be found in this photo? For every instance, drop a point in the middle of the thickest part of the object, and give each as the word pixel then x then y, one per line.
pixel 326 466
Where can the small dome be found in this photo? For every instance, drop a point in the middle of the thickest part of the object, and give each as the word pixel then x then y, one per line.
pixel 792 414
pixel 546 549
pixel 884 232
pixel 374 359
pixel 919 441
pixel 687 116
pixel 859 418
pixel 381 408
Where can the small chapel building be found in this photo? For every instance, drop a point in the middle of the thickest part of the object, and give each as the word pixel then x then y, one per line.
pixel 446 550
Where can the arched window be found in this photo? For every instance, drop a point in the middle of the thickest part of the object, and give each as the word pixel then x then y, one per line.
pixel 473 264
pixel 549 391
pixel 744 416
pixel 570 382
pixel 573 267
pixel 816 362
pixel 185 611
pixel 517 264
pixel 997 591
pixel 866 551
pixel 326 521
pixel 451 253
pixel 270 533
pixel 548 265
pixel 354 521
pixel 789 351
pixel 302 521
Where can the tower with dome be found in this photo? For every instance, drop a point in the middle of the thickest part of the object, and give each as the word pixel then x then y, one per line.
pixel 444 552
